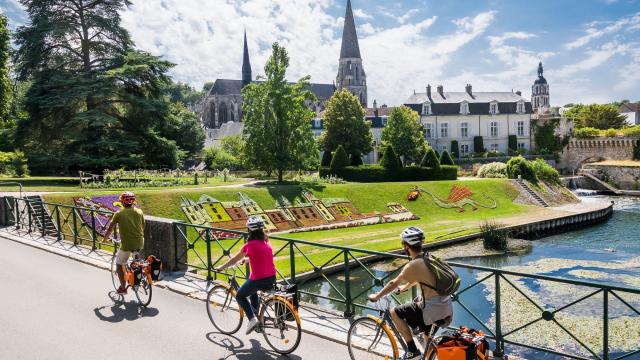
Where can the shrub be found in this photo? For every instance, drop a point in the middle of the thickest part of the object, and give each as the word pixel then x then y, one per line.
pixel 377 173
pixel 430 160
pixel 223 160
pixel 326 159
pixel 340 161
pixel 545 172
pixel 455 149
pixel 356 160
pixel 611 133
pixel 519 166
pixel 494 237
pixel 13 164
pixel 493 170
pixel 478 145
pixel 446 159
pixel 632 131
pixel 513 142
pixel 389 160
pixel 586 132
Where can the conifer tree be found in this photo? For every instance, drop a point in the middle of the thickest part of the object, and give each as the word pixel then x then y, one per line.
pixel 430 160
pixel 340 161
pixel 445 158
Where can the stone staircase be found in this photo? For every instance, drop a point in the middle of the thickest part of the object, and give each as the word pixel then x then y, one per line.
pixel 533 194
pixel 40 216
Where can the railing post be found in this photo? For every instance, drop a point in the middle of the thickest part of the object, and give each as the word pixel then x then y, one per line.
pixel 28 207
pixel 16 211
pixel 42 218
pixel 58 230
pixel 605 325
pixel 93 230
pixel 347 286
pixel 292 260
pixel 75 226
pixel 207 237
pixel 499 351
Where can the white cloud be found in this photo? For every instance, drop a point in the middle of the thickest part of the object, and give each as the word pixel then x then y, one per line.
pixel 595 32
pixel 594 58
pixel 359 13
pixel 406 16
pixel 629 75
pixel 401 19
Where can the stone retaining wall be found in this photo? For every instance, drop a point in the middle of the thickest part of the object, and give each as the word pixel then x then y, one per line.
pixel 622 177
pixel 580 151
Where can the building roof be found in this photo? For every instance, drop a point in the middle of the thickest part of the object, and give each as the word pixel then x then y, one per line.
pixel 350 47
pixel 478 103
pixel 382 111
pixel 234 87
pixel 629 107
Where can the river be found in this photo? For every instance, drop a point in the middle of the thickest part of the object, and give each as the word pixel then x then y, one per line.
pixel 607 253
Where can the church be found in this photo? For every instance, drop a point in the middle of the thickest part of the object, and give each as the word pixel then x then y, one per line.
pixel 221 109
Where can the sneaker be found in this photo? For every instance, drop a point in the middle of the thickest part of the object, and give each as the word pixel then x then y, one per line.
pixel 410 356
pixel 122 291
pixel 252 325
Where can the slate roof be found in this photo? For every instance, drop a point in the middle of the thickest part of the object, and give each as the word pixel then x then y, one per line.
pixel 478 103
pixel 350 47
pixel 629 107
pixel 234 87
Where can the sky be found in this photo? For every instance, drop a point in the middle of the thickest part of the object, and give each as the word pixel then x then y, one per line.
pixel 590 48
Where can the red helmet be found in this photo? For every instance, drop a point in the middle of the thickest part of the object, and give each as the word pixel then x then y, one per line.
pixel 128 198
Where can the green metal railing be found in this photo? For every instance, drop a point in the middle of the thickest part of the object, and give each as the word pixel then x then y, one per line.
pixel 207 248
pixel 58 221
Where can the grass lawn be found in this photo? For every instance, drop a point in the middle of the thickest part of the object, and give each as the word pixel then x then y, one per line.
pixel 439 223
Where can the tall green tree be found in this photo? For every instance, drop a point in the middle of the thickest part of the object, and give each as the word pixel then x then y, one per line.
pixel 5 82
pixel 94 102
pixel 184 128
pixel 276 119
pixel 405 133
pixel 599 116
pixel 344 125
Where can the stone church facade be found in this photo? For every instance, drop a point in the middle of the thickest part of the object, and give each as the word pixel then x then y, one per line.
pixel 222 106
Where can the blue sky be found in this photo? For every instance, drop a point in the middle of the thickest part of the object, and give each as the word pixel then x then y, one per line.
pixel 590 48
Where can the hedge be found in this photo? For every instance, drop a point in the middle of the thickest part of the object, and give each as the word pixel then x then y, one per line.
pixel 376 173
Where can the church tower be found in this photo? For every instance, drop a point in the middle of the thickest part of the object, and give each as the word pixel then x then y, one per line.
pixel 540 92
pixel 246 64
pixel 351 75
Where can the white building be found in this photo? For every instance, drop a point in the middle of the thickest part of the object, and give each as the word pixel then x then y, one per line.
pixel 631 112
pixel 461 116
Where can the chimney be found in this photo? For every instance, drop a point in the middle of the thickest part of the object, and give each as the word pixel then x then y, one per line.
pixel 519 93
pixel 468 90
pixel 375 108
pixel 441 90
pixel 429 91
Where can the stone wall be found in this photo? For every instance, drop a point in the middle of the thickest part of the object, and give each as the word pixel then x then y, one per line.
pixel 622 177
pixel 579 152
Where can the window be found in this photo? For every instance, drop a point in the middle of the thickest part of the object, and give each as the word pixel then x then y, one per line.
pixel 428 130
pixel 464 108
pixel 493 108
pixel 493 129
pixel 426 108
pixel 520 109
pixel 494 147
pixel 444 130
pixel 464 150
pixel 464 129
pixel 521 146
pixel 520 128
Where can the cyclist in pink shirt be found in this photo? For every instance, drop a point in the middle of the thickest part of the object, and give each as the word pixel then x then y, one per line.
pixel 263 269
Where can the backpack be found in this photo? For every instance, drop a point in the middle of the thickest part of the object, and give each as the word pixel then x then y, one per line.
pixel 155 267
pixel 463 344
pixel 447 280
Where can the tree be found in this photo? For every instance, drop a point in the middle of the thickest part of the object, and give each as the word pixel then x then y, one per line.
pixel 390 159
pixel 340 161
pixel 455 149
pixel 430 160
pixel 326 159
pixel 5 83
pixel 183 127
pixel 513 143
pixel 183 93
pixel 445 158
pixel 597 116
pixel 276 119
pixel 478 144
pixel 233 144
pixel 356 160
pixel 94 101
pixel 404 132
pixel 344 125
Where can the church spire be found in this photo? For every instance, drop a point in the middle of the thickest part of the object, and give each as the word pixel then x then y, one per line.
pixel 350 46
pixel 246 63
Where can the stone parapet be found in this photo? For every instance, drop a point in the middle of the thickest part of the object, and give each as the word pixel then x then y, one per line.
pixel 581 151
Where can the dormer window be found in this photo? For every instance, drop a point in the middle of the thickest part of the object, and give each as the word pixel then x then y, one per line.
pixel 464 108
pixel 493 108
pixel 520 107
pixel 426 108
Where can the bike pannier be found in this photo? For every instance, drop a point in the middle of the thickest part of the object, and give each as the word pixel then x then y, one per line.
pixel 463 344
pixel 136 268
pixel 155 267
pixel 290 293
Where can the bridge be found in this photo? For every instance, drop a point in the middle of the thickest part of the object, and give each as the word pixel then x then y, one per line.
pixel 43 285
pixel 581 151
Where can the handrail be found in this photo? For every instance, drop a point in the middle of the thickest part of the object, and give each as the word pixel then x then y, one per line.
pixel 13 183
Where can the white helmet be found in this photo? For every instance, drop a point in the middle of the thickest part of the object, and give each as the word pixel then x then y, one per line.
pixel 255 223
pixel 412 236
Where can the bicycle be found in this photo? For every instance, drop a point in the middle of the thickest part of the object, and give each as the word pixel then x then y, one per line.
pixel 372 337
pixel 278 320
pixel 138 280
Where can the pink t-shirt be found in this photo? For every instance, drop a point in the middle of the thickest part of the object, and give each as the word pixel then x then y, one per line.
pixel 260 256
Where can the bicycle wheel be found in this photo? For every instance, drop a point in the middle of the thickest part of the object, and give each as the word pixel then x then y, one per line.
pixel 280 325
pixel 223 310
pixel 369 340
pixel 431 353
pixel 114 274
pixel 143 292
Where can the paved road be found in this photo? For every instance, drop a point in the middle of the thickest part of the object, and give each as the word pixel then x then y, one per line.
pixel 55 308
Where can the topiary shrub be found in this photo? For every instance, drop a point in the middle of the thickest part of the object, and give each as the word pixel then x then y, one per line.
pixel 478 145
pixel 496 170
pixel 636 151
pixel 446 159
pixel 389 159
pixel 326 159
pixel 431 160
pixel 455 149
pixel 513 142
pixel 340 161
pixel 545 172
pixel 494 237
pixel 519 166
pixel 356 160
